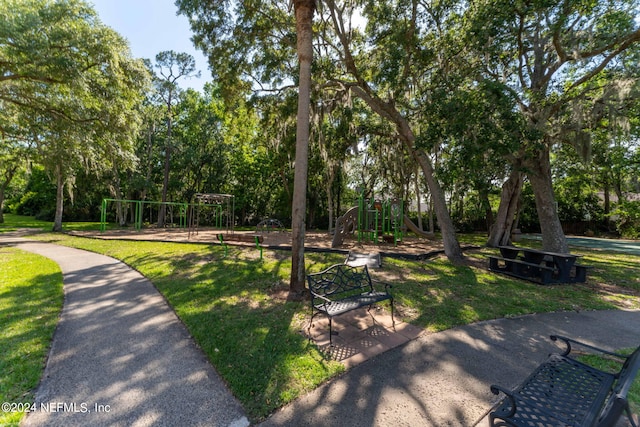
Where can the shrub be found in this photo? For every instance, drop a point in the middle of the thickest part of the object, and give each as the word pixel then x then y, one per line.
pixel 627 219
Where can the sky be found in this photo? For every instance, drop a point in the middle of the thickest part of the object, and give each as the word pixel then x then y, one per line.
pixel 152 26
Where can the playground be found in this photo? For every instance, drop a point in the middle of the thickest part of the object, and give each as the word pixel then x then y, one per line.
pixel 373 226
pixel 412 246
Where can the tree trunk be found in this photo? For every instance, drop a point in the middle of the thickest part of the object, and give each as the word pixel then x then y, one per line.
pixel 57 222
pixel 500 233
pixel 150 132
pixel 304 10
pixel 165 187
pixel 330 203
pixel 449 239
pixel 162 212
pixel 419 207
pixel 8 176
pixel 432 226
pixel 483 194
pixel 553 238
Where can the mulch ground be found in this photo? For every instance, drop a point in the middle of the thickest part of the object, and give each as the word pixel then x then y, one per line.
pixel 410 246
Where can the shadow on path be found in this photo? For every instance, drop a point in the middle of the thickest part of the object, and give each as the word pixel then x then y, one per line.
pixel 120 356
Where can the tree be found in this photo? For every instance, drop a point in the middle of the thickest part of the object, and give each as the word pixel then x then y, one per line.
pixel 171 66
pixel 304 10
pixel 73 86
pixel 256 42
pixel 546 53
pixel 201 152
pixel 393 75
pixel 13 154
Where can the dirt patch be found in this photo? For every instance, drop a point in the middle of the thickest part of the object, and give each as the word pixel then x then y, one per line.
pixel 410 246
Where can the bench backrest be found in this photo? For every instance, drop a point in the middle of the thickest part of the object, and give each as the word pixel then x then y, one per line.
pixel 617 401
pixel 340 280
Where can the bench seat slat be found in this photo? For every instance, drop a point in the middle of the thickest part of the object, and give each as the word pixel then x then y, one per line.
pixel 560 392
pixel 565 392
pixel 335 308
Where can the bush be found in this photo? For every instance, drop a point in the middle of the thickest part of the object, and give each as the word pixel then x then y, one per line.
pixel 31 204
pixel 39 197
pixel 626 216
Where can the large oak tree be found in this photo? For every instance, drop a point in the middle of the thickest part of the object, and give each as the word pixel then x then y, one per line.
pixel 70 84
pixel 546 54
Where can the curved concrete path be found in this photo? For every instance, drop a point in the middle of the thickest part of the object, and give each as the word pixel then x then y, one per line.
pixel 443 379
pixel 120 356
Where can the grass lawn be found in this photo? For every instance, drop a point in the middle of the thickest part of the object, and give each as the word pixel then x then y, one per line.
pixel 13 222
pixel 609 364
pixel 233 306
pixel 30 302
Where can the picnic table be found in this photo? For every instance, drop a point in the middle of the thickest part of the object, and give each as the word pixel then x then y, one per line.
pixel 537 265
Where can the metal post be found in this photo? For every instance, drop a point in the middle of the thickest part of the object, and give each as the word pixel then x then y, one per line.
pixel 103 216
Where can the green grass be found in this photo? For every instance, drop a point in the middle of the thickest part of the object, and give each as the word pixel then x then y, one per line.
pixel 609 364
pixel 30 302
pixel 252 337
pixel 13 222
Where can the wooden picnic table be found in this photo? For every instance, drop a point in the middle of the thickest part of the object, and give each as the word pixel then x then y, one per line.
pixel 538 265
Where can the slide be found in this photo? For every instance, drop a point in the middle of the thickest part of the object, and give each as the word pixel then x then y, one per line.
pixel 345 224
pixel 411 226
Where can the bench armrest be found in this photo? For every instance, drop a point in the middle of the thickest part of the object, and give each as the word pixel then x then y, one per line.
pixel 322 297
pixel 386 285
pixel 496 389
pixel 569 341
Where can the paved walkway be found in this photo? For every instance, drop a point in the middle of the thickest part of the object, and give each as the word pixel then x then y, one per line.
pixel 443 379
pixel 120 356
pixel 120 352
pixel 617 245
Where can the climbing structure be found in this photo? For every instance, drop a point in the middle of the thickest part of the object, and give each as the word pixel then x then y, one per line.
pixel 372 220
pixel 210 209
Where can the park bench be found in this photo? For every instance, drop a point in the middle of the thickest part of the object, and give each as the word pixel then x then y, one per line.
pixel 342 288
pixel 246 238
pixel 563 391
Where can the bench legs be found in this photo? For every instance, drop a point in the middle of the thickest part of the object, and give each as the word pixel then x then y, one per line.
pixel 393 322
pixel 330 327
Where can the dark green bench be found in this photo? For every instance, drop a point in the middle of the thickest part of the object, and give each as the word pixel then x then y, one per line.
pixel 342 288
pixel 521 269
pixel 563 391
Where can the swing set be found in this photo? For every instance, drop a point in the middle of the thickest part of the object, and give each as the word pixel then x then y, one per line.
pixel 214 210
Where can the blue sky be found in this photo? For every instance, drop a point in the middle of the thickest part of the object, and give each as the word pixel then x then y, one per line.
pixel 152 26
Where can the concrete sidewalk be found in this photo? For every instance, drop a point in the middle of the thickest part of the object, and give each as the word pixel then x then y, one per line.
pixel 443 379
pixel 120 356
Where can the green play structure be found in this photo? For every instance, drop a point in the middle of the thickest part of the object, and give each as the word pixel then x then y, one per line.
pixel 372 220
pixel 214 210
pixel 378 219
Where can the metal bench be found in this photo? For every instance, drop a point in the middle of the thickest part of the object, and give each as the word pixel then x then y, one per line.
pixel 342 288
pixel 563 391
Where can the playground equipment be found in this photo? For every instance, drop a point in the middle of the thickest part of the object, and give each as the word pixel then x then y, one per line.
pixel 371 219
pixel 143 211
pixel 413 227
pixel 268 225
pixel 212 209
